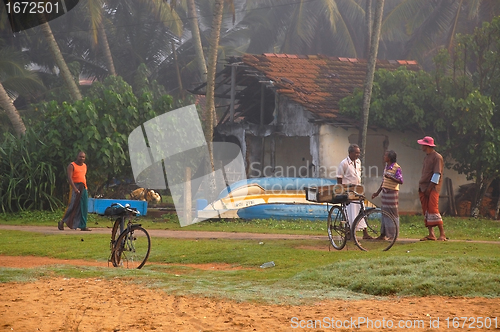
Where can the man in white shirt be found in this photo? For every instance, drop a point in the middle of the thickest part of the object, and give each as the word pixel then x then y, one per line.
pixel 349 172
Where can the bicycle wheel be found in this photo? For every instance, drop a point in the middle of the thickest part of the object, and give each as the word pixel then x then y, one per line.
pixel 374 240
pixel 115 232
pixel 132 248
pixel 336 227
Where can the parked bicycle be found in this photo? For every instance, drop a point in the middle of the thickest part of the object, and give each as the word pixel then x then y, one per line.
pixel 130 244
pixel 340 230
pixel 378 223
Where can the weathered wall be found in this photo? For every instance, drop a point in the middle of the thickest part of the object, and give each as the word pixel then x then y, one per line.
pixel 290 152
pixel 293 120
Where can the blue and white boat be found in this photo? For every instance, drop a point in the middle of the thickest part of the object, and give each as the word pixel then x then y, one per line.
pixel 281 211
pixel 261 198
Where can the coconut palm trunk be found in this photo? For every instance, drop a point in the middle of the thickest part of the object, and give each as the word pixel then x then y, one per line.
pixel 95 12
pixel 195 31
pixel 107 52
pixel 370 72
pixel 12 112
pixel 212 67
pixel 368 27
pixel 61 63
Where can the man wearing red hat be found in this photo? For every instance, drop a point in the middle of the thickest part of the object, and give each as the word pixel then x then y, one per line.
pixel 429 187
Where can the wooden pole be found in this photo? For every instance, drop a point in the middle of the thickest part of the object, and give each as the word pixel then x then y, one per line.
pixel 187 196
pixel 233 93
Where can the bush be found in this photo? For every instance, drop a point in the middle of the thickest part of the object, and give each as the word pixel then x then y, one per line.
pixel 27 177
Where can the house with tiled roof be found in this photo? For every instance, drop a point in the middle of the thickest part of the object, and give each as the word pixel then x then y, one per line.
pixel 283 112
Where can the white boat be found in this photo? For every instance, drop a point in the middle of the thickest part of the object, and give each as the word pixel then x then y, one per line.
pixel 285 196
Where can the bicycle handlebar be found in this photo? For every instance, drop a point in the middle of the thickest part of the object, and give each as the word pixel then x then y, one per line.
pixel 128 208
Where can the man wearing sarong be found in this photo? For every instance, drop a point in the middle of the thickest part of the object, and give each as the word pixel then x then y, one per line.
pixel 76 213
pixel 429 187
pixel 393 177
pixel 349 172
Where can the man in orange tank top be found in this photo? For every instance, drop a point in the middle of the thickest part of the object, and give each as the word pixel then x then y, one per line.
pixel 76 213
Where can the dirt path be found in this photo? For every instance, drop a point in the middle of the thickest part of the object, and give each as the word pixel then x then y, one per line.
pixel 195 234
pixel 61 304
pixel 168 233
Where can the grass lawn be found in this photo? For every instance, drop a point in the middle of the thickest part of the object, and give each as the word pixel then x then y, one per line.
pixel 409 268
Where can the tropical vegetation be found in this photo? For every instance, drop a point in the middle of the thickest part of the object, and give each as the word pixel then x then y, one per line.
pixel 458 103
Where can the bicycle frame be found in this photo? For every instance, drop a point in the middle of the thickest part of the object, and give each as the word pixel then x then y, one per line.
pixel 379 228
pixel 343 206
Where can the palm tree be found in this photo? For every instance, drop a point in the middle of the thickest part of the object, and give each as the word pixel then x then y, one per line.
pixel 370 72
pixel 368 27
pixel 15 79
pixel 427 26
pixel 61 63
pixel 212 66
pixel 192 17
pixel 303 27
pixel 95 12
pixel 12 112
pixel 191 52
pixel 213 49
pixel 143 31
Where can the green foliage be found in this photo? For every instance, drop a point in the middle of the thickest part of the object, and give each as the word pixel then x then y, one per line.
pixel 27 177
pixel 15 78
pixel 33 167
pixel 99 125
pixel 399 99
pixel 458 104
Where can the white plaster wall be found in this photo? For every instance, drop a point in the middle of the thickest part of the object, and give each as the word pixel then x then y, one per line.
pixel 333 144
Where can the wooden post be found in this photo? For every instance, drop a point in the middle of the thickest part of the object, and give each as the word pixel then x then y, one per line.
pixel 453 206
pixel 497 210
pixel 233 93
pixel 179 79
pixel 187 196
pixel 262 103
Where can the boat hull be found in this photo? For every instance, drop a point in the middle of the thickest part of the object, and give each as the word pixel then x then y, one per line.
pixel 282 211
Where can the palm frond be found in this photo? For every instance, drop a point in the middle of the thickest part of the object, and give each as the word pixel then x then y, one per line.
pixel 402 13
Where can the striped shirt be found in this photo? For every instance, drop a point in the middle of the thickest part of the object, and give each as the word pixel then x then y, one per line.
pixel 395 176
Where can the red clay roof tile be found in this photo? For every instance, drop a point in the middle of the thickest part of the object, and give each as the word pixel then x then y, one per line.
pixel 317 82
